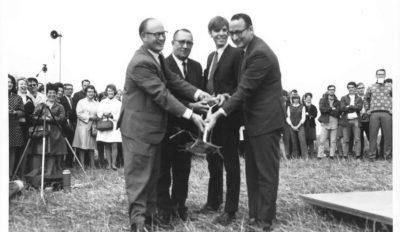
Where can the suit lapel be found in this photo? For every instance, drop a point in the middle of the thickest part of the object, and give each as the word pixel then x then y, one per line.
pixel 174 67
pixel 157 64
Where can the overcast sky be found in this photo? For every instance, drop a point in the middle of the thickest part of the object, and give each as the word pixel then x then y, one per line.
pixel 317 42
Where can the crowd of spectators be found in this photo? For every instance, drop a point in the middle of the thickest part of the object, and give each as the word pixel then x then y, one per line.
pixel 67 116
pixel 343 123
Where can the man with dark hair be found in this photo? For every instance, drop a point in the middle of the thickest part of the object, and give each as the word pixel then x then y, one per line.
pixel 81 94
pixel 146 102
pixel 378 104
pixel 350 106
pixel 329 106
pixel 259 94
pixel 33 92
pixel 222 78
pixel 175 161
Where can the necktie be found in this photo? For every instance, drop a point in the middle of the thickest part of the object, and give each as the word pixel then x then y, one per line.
pixel 184 69
pixel 210 81
pixel 161 59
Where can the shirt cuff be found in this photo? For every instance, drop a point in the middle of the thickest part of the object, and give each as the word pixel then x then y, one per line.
pixel 222 111
pixel 197 93
pixel 188 113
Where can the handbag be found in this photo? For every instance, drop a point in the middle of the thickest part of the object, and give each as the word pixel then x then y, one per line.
pixel 93 129
pixel 39 131
pixel 105 125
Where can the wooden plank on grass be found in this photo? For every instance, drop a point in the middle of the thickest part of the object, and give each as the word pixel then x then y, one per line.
pixel 375 206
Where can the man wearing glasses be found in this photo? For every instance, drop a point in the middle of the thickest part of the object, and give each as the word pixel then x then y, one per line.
pixel 221 77
pixel 259 94
pixel 378 104
pixel 175 161
pixel 146 102
pixel 33 92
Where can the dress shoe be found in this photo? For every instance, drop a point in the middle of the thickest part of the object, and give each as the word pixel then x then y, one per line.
pixel 225 218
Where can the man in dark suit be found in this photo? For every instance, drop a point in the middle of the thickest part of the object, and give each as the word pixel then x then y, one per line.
pixel 175 160
pixel 81 94
pixel 70 124
pixel 146 102
pixel 222 77
pixel 260 93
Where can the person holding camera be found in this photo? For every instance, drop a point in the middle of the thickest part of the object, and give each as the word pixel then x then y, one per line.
pixel 56 147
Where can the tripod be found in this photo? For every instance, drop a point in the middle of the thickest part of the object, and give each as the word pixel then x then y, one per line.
pixel 37 121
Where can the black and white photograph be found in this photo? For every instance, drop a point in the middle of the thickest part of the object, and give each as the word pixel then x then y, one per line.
pixel 192 116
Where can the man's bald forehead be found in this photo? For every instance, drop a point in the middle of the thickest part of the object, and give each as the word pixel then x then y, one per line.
pixel 145 24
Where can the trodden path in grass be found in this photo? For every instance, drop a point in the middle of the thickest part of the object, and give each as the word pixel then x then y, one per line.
pixel 104 207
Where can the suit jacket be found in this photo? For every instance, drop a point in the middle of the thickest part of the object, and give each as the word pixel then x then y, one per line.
pixel 77 97
pixel 194 77
pixel 226 78
pixel 147 98
pixel 69 111
pixel 259 90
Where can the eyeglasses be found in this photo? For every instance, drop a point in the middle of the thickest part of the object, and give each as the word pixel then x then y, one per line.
pixel 32 85
pixel 157 34
pixel 183 42
pixel 238 32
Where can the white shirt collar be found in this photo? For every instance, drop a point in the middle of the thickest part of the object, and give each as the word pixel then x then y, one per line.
pixel 155 55
pixel 221 50
pixel 179 63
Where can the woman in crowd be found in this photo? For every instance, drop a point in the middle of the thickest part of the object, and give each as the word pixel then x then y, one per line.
pixel 15 111
pixel 329 106
pixel 296 116
pixel 25 122
pixel 84 139
pixel 109 109
pixel 56 147
pixel 309 123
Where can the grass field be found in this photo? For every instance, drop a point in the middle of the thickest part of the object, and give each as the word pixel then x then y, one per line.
pixel 104 207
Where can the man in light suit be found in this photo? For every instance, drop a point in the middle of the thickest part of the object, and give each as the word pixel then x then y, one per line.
pixel 221 76
pixel 175 161
pixel 147 100
pixel 260 93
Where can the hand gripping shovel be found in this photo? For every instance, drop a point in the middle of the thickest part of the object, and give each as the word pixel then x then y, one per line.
pixel 201 145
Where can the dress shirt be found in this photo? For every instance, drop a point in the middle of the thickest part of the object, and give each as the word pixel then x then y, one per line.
pixel 180 65
pixel 188 112
pixel 219 52
pixel 352 115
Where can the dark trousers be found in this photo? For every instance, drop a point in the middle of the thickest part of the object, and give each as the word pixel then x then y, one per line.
pixel 381 120
pixel 141 170
pixel 69 158
pixel 227 137
pixel 299 140
pixel 175 171
pixel 364 128
pixel 262 175
pixel 286 139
